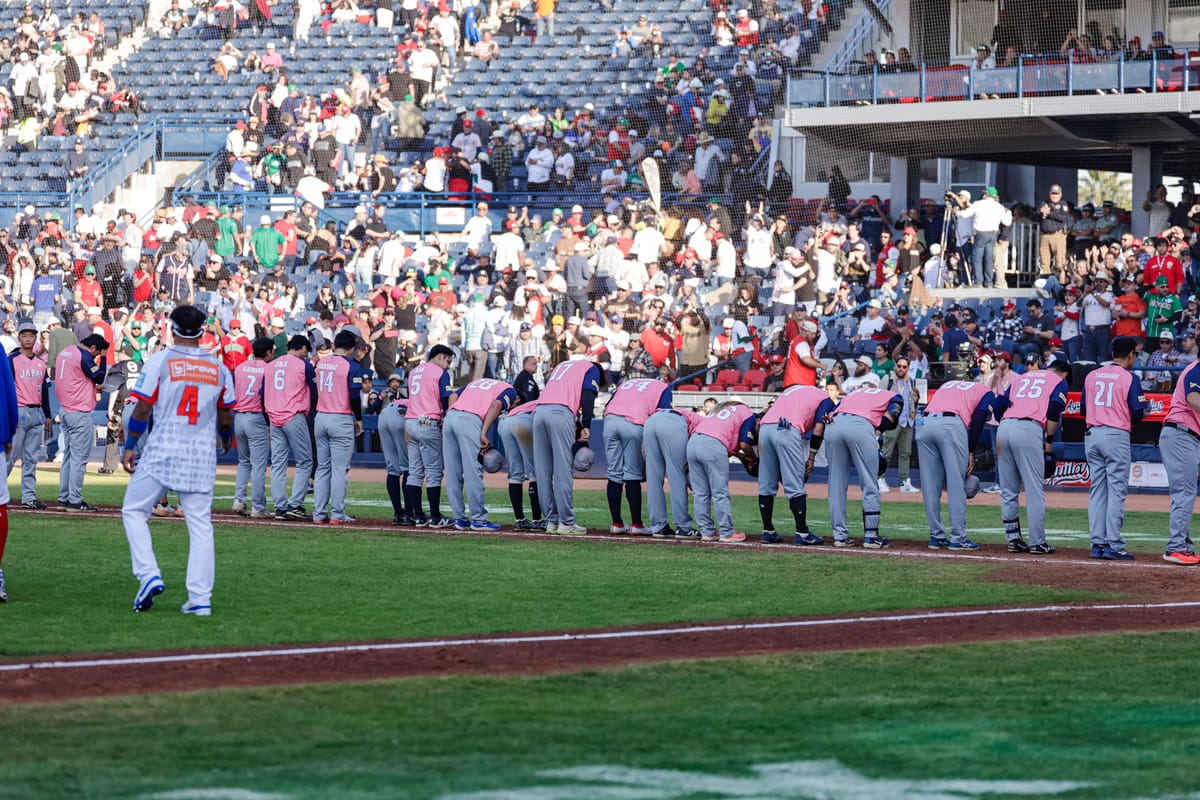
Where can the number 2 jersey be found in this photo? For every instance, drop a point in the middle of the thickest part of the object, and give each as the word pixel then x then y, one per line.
pixel 185 385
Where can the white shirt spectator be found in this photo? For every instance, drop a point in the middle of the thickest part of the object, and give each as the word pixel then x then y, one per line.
pixel 564 166
pixel 1093 312
pixel 827 281
pixel 435 175
pixel 468 142
pixel 477 230
pixel 347 128
pixel 786 275
pixel 987 215
pixel 531 122
pixel 312 189
pixel 705 156
pixel 447 28
pixel 647 245
pixel 422 63
pixel 726 257
pixel 613 179
pixel 507 251
pixel 868 327
pixel 759 246
pixel 539 162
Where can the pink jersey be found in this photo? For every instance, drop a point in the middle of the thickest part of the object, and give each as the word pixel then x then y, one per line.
pixel 1180 412
pixel 725 425
pixel 1106 392
pixel 247 386
pixel 477 396
pixel 636 400
pixel 959 398
pixel 691 417
pixel 29 375
pixel 525 408
pixel 74 389
pixel 286 393
pixel 333 388
pixel 424 391
pixel 798 405
pixel 870 404
pixel 1029 395
pixel 564 387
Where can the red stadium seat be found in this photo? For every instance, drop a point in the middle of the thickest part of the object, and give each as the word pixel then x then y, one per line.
pixel 755 378
pixel 687 387
pixel 741 387
pixel 728 377
pixel 714 387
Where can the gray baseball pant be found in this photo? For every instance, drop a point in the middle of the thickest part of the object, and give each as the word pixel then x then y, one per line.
pixel 516 438
pixel 1022 462
pixel 708 464
pixel 460 445
pixel 942 444
pixel 391 439
pixel 665 436
pixel 781 455
pixel 1108 468
pixel 335 445
pixel 79 432
pixel 553 438
pixel 424 453
pixel 26 444
pixel 253 437
pixel 623 450
pixel 850 439
pixel 1181 458
pixel 290 440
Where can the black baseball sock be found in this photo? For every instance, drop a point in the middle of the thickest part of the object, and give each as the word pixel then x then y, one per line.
pixel 633 493
pixel 766 509
pixel 517 500
pixel 535 505
pixel 799 505
pixel 434 493
pixel 412 499
pixel 395 494
pixel 614 502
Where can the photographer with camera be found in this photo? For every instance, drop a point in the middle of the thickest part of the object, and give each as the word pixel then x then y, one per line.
pixel 964 231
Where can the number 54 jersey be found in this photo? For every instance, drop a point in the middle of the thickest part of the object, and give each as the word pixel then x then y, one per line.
pixel 185 385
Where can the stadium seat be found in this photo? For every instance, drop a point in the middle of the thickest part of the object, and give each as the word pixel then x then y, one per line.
pixel 727 377
pixel 755 378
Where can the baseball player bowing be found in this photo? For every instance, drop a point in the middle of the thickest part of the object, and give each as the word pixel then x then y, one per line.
pixel 665 435
pixel 954 419
pixel 566 406
pixel 338 421
pixel 395 455
pixel 190 394
pixel 516 437
pixel 624 420
pixel 852 437
pixel 464 439
pixel 251 431
pixel 1179 443
pixel 730 431
pixel 429 395
pixel 1030 411
pixel 1112 403
pixel 287 397
pixel 783 456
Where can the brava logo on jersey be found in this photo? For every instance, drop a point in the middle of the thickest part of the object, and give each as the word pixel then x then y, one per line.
pixel 191 370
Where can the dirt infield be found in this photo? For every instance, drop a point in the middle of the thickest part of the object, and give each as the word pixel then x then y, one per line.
pixel 1161 597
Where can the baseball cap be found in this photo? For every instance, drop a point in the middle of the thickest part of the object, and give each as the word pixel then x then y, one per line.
pixel 26 325
pixel 875 304
pixel 235 324
pixel 525 326
pixel 1161 280
pixel 277 322
pixel 265 219
pixel 89 270
pixel 866 360
pixel 991 191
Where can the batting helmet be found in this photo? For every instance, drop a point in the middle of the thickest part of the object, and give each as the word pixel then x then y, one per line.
pixel 971 484
pixel 491 460
pixel 1051 464
pixel 883 462
pixel 583 457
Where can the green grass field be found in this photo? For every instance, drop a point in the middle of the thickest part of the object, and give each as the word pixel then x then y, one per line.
pixel 1103 716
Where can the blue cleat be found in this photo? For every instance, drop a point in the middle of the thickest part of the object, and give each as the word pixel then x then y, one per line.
pixel 484 526
pixel 874 542
pixel 462 525
pixel 1097 551
pixel 938 544
pixel 144 600
pixel 807 538
pixel 965 544
pixel 771 537
pixel 1112 554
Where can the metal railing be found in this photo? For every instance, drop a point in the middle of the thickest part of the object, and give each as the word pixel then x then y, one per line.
pixel 1033 76
pixel 856 39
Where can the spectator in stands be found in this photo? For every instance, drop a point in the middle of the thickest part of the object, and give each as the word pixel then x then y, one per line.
pixel 1162 309
pixel 1096 316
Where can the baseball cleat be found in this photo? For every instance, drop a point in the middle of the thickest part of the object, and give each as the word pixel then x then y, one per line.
pixel 687 533
pixel 238 507
pixel 320 520
pixel 1113 554
pixel 936 543
pixel 163 510
pixel 81 506
pixel 639 530
pixel 150 588
pixel 346 520
pixel 440 522
pixel 62 506
pixel 616 529
pixel 709 537
pixel 664 532
pixel 3 590
pixel 771 537
pixel 34 505
pixel 280 513
pixel 807 538
pixel 1186 559
pixel 486 526
pixel 1042 549
pixel 965 544
pixel 296 513
pixel 574 529
pixel 847 542
pixel 540 525
pixel 1018 545
pixel 524 525
pixel 737 537
pixel 875 542
pixel 196 610
pixel 462 524
pixel 1097 551
pixel 254 513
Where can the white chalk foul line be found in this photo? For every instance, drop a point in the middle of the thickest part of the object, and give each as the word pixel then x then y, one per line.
pixel 683 630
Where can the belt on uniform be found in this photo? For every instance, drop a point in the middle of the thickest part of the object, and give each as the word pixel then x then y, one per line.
pixel 940 414
pixel 32 405
pixel 1184 428
pixel 1024 419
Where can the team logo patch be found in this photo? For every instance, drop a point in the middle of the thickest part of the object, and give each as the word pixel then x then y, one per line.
pixel 193 370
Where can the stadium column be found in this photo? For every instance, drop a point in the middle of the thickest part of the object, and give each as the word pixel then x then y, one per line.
pixel 905 183
pixel 1145 161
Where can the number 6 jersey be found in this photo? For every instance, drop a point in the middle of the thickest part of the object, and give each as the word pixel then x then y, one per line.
pixel 185 385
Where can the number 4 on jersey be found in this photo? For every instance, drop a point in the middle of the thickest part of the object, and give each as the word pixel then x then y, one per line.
pixel 189 404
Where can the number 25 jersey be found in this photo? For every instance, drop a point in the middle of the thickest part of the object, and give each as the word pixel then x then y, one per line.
pixel 185 385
